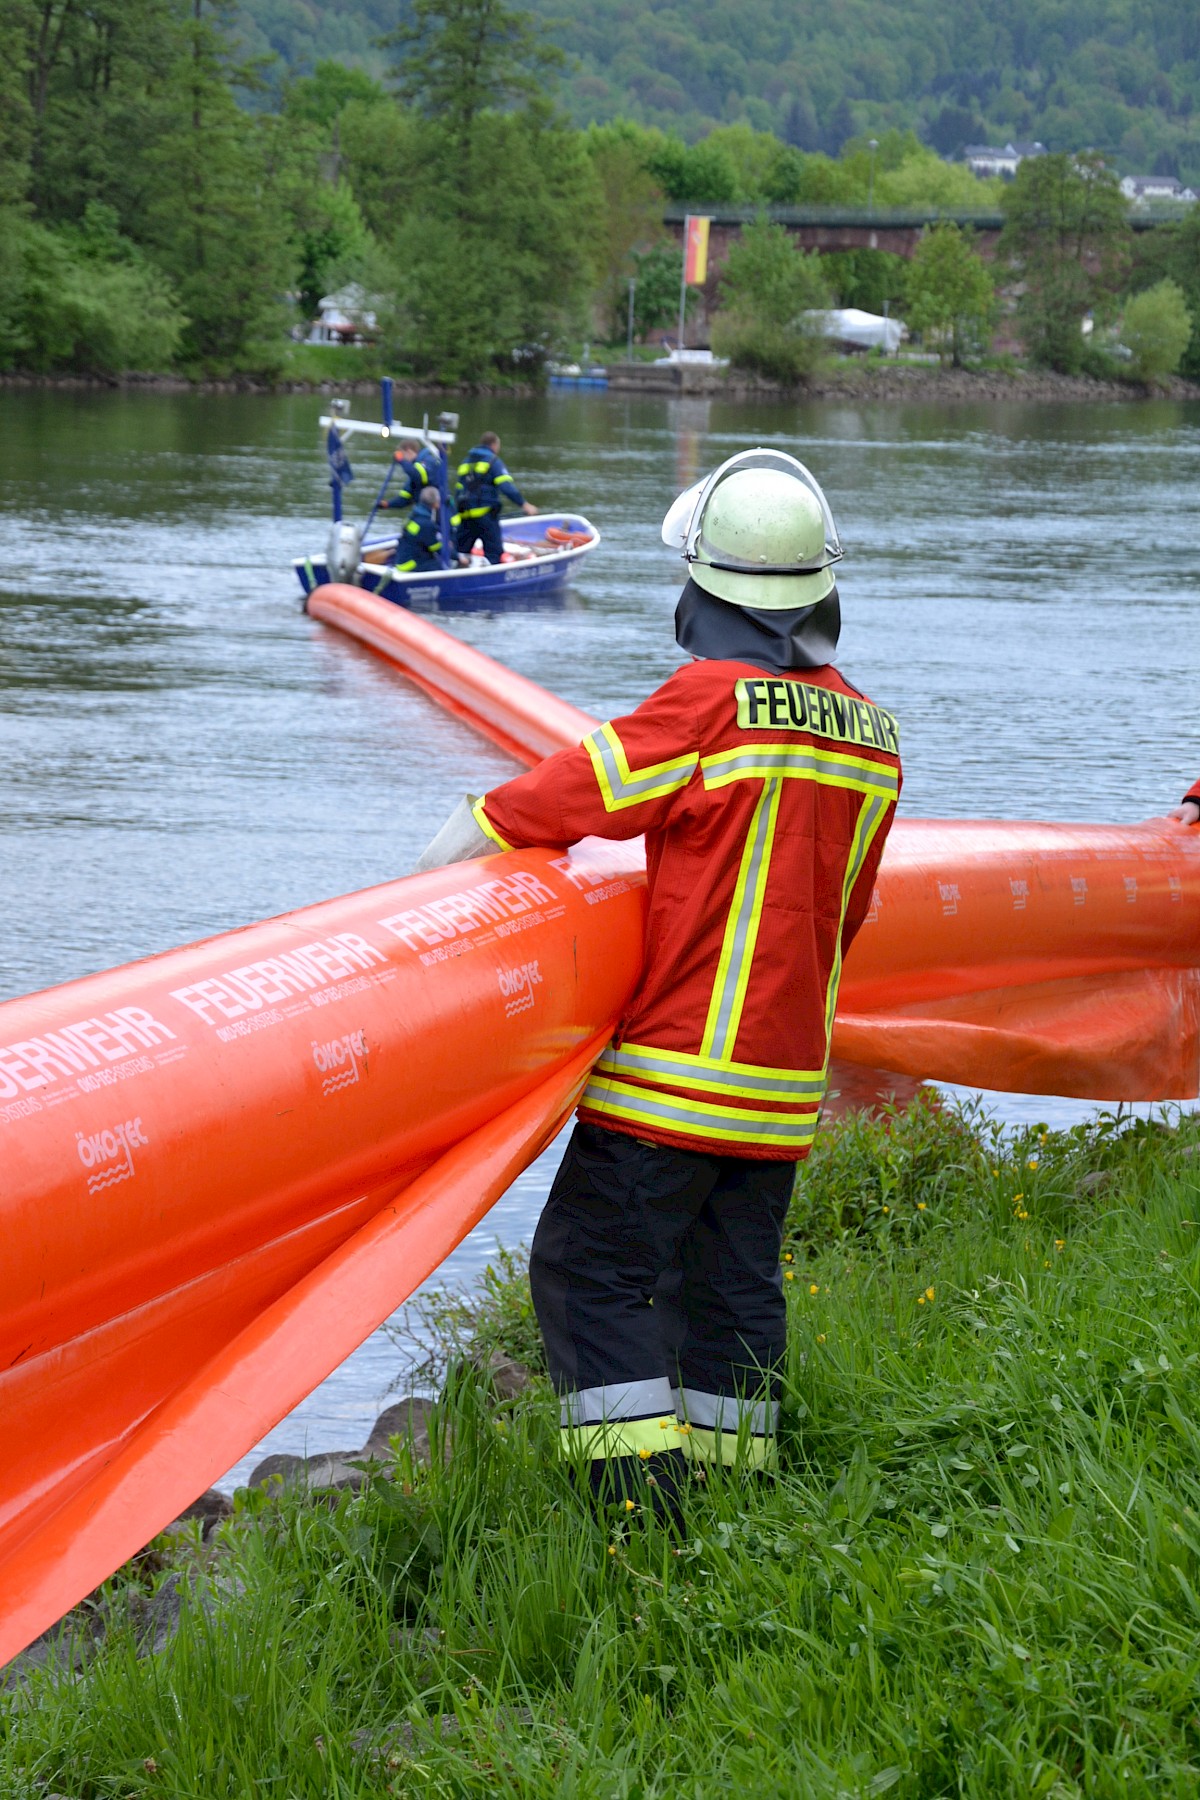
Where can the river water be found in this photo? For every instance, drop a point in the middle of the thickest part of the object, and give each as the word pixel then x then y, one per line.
pixel 184 750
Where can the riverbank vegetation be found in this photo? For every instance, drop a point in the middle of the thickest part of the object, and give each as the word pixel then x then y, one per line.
pixel 977 1574
pixel 167 204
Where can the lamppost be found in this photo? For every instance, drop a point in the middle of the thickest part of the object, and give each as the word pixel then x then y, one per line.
pixel 872 146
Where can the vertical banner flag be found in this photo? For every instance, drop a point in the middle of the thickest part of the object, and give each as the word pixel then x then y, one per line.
pixel 695 250
pixel 339 462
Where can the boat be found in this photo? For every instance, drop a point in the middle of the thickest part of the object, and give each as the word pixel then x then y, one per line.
pixel 226 1164
pixel 540 556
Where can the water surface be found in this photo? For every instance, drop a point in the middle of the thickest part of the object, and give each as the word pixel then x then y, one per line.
pixel 184 750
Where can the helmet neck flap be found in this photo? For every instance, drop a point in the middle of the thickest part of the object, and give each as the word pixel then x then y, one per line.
pixel 805 637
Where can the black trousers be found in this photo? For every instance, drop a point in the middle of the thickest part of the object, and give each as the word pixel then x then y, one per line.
pixel 487 530
pixel 656 1280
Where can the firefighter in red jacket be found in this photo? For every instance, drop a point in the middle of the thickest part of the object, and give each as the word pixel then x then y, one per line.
pixel 1189 807
pixel 765 786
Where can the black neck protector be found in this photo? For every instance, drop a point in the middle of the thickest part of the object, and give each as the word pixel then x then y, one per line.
pixel 803 638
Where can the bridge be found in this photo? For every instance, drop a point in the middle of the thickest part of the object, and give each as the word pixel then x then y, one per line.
pixel 826 228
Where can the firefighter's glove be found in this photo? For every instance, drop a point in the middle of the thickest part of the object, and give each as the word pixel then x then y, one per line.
pixel 459 840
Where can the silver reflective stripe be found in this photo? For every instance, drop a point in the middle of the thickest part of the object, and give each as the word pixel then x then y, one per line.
pixel 618 1400
pixel 877 778
pixel 746 924
pixel 653 784
pixel 724 1121
pixel 726 1412
pixel 697 1073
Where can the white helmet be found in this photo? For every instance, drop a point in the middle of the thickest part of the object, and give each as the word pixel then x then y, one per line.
pixel 757 532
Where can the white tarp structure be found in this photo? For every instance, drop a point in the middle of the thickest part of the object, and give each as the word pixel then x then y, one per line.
pixel 864 330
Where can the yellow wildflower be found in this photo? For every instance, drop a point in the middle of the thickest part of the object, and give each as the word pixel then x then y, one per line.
pixel 920 1299
pixel 820 1337
pixel 629 1506
pixel 1017 1198
pixel 1033 1162
pixel 612 1549
pixel 929 1293
pixel 1059 1243
pixel 920 1206
pixel 787 1256
pixel 887 1209
pixel 814 1287
pixel 645 1455
pixel 789 1275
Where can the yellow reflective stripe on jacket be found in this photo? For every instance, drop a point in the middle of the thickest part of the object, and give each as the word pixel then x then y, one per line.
pixel 474 512
pixel 622 786
pixel 870 817
pixel 741 927
pixel 485 825
pixel 835 768
pixel 793 1130
pixel 676 1068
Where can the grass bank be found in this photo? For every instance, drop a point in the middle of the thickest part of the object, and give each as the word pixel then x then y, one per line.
pixel 978 1573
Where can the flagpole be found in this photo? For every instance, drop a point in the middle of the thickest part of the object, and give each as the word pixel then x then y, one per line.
pixel 687 229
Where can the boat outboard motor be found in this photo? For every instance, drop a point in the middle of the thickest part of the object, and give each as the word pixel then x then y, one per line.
pixel 343 550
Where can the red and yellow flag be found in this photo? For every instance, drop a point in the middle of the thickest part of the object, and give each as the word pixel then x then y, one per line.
pixel 695 250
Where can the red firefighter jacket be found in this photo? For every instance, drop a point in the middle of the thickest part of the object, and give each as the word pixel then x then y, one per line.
pixel 1193 793
pixel 765 801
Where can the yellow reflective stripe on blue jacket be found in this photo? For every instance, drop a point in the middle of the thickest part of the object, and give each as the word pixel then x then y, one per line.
pixel 621 786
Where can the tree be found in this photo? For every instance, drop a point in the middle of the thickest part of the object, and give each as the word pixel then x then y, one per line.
pixel 1156 330
pixel 772 295
pixel 629 218
pixel 656 297
pixel 1066 234
pixel 1173 251
pixel 951 297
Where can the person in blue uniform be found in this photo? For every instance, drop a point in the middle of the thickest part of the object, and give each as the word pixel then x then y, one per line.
pixel 484 484
pixel 420 545
pixel 418 469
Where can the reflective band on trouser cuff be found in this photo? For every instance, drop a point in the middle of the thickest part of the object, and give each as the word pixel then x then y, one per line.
pixel 741 929
pixel 731 1449
pixel 678 1069
pixel 485 825
pixel 622 786
pixel 727 1413
pixel 621 1418
pixel 697 1118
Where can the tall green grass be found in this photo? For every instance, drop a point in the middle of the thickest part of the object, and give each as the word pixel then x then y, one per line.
pixel 977 1574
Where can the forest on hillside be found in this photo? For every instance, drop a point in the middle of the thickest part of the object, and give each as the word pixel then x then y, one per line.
pixel 1119 76
pixel 165 203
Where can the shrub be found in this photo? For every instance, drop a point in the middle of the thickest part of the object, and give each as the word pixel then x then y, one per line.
pixel 772 298
pixel 72 301
pixel 951 297
pixel 1157 330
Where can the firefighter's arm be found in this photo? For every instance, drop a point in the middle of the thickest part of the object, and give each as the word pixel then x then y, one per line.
pixel 505 486
pixel 1189 807
pixel 627 777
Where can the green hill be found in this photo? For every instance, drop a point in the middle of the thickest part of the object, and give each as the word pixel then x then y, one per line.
pixel 1121 76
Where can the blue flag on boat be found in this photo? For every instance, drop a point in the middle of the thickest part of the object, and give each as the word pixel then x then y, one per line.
pixel 339 462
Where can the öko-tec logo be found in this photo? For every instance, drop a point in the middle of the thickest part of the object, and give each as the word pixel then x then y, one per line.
pixel 108 1154
pixel 339 1060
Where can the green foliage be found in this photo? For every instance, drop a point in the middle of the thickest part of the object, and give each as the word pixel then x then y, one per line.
pixel 951 297
pixel 628 221
pixel 1066 231
pixel 322 97
pixel 871 279
pixel 656 297
pixel 769 292
pixel 1173 252
pixel 83 301
pixel 1157 330
pixel 976 1574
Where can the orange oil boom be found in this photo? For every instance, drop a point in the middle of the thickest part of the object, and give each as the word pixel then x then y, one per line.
pixel 1031 958
pixel 222 1167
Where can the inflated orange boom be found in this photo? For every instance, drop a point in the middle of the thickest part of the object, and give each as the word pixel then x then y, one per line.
pixel 222 1167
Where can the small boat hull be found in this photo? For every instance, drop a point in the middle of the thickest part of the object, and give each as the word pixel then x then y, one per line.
pixel 531 580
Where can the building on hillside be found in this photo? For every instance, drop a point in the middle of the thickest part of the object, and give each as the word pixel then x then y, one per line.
pixel 343 318
pixel 1148 190
pixel 985 160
